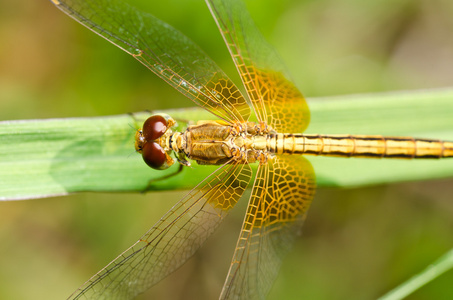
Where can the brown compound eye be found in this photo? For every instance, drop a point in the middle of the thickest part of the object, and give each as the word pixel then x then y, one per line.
pixel 154 127
pixel 154 156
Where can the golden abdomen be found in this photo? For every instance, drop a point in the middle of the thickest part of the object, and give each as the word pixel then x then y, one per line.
pixel 362 146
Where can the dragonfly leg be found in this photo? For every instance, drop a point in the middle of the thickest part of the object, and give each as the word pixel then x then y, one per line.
pixel 136 121
pixel 184 121
pixel 152 181
pixel 181 158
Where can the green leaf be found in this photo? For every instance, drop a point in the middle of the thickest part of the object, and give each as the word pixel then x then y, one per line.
pixel 40 158
pixel 440 266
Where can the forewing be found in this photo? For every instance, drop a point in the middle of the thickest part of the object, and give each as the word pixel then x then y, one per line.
pixel 172 240
pixel 165 51
pixel 275 98
pixel 281 196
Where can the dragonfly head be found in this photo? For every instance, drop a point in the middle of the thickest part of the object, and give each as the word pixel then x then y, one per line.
pixel 150 141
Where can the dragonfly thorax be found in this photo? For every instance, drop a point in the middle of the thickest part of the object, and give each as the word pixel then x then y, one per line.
pixel 217 142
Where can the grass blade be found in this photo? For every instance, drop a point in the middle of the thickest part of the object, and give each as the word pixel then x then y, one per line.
pixel 40 158
pixel 440 266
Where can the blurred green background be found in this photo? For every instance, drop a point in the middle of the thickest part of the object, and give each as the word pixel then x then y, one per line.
pixel 356 244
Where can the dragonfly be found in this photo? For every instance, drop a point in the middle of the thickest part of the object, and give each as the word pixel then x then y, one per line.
pixel 264 127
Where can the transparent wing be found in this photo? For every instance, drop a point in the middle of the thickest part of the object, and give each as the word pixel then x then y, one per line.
pixel 275 98
pixel 165 51
pixel 281 196
pixel 172 240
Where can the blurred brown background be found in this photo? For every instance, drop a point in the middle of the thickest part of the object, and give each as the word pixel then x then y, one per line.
pixel 357 243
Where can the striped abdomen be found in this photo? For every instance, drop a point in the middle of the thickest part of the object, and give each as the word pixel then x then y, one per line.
pixel 359 146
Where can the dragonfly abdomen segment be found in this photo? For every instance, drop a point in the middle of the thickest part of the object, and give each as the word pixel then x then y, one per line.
pixel 376 146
